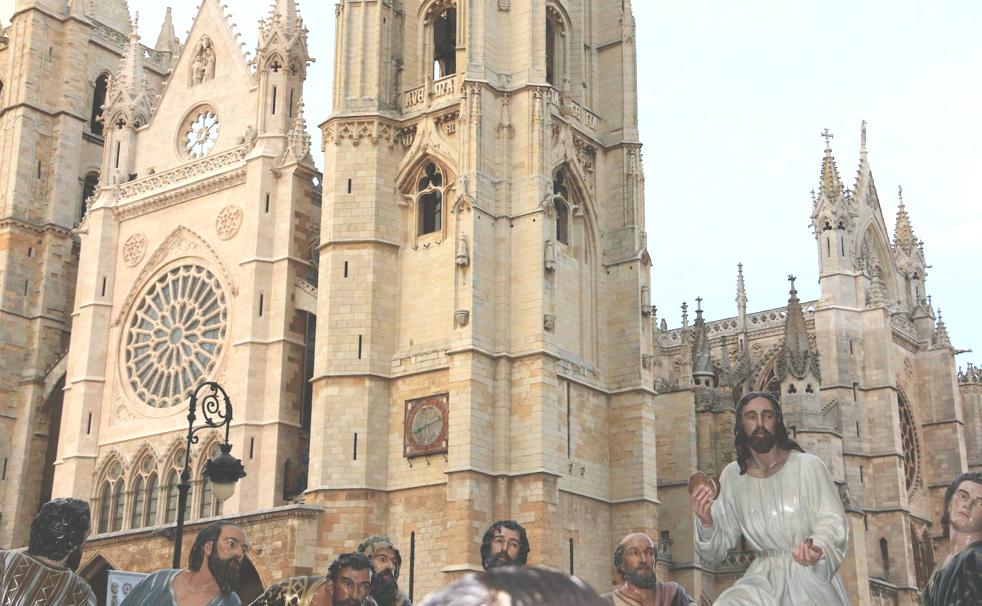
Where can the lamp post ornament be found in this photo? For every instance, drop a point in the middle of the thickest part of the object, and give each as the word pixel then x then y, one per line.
pixel 224 470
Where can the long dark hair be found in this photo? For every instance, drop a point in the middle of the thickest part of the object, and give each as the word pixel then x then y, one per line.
pixel 209 535
pixel 59 528
pixel 949 493
pixel 742 440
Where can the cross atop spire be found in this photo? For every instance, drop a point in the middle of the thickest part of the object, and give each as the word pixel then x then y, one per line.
pixel 792 278
pixel 698 303
pixel 831 185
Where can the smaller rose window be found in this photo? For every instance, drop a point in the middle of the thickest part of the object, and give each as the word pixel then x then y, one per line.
pixel 201 134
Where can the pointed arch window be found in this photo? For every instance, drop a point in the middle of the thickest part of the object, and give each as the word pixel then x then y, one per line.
pixel 560 201
pixel 145 494
pixel 445 42
pixel 172 494
pixel 429 199
pixel 98 100
pixel 112 499
pixel 555 47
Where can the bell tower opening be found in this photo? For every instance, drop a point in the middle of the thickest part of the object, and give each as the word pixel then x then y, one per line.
pixel 445 43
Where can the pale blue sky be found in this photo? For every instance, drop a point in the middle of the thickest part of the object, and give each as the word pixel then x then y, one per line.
pixel 733 96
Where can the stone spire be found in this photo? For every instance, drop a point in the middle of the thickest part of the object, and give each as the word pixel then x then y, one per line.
pixel 797 357
pixel 903 233
pixel 298 139
pixel 284 13
pixel 167 40
pixel 741 296
pixel 831 184
pixel 129 92
pixel 702 365
pixel 941 338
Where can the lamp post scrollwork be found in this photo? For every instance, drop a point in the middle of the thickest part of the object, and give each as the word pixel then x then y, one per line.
pixel 224 470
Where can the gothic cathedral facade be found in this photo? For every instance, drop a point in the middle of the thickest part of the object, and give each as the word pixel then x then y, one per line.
pixel 453 325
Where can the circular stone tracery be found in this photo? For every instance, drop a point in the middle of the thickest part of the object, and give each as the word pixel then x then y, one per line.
pixel 201 135
pixel 175 336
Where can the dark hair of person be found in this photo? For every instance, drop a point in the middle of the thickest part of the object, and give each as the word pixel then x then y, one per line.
pixel 949 493
pixel 523 541
pixel 59 528
pixel 742 440
pixel 354 561
pixel 209 535
pixel 525 586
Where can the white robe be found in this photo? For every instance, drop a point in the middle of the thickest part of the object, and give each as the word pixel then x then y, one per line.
pixel 775 515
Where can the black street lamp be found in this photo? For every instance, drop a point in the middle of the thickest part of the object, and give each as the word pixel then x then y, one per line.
pixel 223 471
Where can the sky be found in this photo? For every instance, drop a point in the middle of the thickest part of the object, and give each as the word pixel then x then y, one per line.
pixel 733 96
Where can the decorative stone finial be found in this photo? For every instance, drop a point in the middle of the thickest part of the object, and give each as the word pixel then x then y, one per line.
pixel 797 358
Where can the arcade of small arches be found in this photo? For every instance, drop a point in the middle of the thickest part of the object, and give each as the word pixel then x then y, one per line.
pixel 133 496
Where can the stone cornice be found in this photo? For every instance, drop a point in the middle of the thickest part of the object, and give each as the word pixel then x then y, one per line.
pixel 10 222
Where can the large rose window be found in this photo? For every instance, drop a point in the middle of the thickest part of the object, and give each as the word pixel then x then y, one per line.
pixel 175 336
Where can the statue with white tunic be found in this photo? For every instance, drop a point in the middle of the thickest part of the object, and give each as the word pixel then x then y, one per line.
pixel 783 501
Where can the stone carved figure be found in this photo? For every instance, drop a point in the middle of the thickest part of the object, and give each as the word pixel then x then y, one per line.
pixel 463 258
pixel 774 479
pixel 203 64
pixel 550 255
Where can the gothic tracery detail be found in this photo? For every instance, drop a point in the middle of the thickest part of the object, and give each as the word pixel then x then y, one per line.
pixel 134 249
pixel 228 221
pixel 175 336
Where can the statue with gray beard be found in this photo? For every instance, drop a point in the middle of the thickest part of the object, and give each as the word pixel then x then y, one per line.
pixel 635 559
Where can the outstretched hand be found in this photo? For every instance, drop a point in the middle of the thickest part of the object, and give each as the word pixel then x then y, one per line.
pixel 702 504
pixel 807 553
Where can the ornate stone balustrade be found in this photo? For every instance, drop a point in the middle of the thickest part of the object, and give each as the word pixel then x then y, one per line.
pixel 904 326
pixel 182 173
pixel 578 112
pixel 432 89
pixel 756 321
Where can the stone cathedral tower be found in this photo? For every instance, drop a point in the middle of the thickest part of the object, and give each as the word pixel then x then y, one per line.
pixel 55 61
pixel 484 343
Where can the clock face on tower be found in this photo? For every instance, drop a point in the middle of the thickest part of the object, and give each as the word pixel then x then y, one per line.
pixel 426 426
